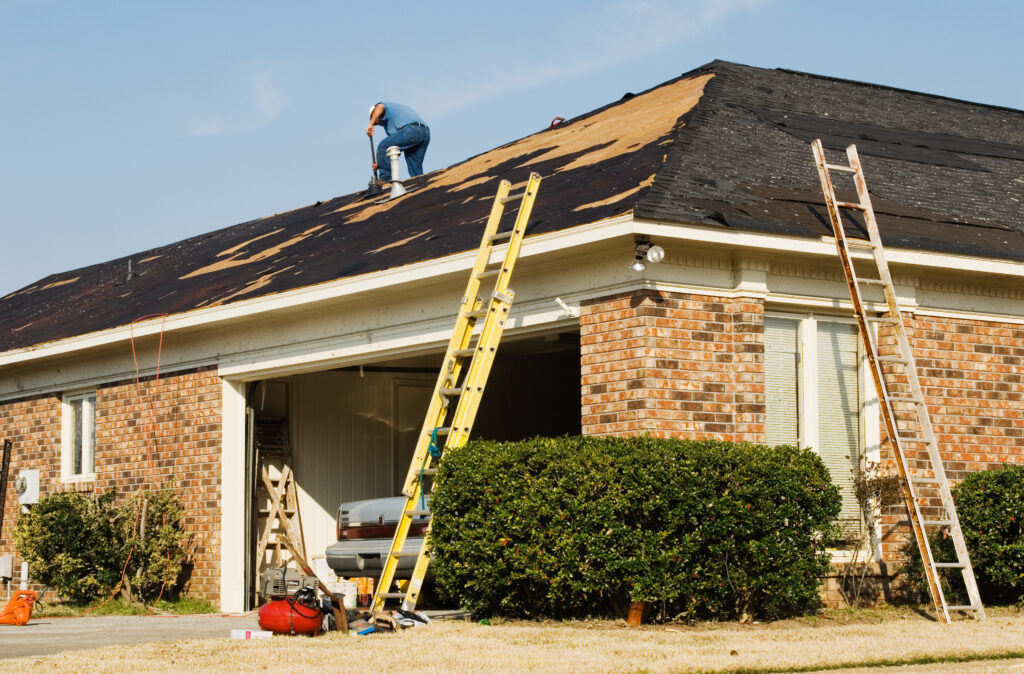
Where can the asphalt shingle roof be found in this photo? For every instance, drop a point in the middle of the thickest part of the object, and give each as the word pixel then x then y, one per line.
pixel 725 145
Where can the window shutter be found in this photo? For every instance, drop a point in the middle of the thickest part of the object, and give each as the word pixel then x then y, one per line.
pixel 780 381
pixel 839 412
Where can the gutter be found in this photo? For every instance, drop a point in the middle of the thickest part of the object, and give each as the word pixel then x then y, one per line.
pixel 624 225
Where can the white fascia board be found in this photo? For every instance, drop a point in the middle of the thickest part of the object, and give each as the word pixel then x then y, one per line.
pixel 824 246
pixel 292 299
pixel 553 242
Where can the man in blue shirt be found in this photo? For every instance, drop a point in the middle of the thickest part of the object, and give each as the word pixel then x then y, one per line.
pixel 406 129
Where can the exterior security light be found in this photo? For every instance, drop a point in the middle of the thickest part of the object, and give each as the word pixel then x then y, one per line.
pixel 646 251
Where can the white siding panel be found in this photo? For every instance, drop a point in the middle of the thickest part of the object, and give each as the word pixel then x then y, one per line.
pixel 343 436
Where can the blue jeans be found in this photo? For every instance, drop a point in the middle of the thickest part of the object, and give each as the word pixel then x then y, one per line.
pixel 413 139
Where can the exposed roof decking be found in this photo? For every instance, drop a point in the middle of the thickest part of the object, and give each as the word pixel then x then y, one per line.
pixel 723 146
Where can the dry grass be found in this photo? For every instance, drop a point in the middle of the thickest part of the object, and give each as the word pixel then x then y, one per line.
pixel 828 642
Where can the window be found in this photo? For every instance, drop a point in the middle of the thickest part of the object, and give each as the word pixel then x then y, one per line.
pixel 78 437
pixel 814 396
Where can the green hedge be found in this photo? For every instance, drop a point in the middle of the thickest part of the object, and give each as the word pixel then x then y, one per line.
pixel 577 526
pixel 991 508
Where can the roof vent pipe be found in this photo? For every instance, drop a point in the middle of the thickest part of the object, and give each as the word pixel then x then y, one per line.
pixel 397 189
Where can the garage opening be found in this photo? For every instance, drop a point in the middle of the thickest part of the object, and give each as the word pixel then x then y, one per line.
pixel 351 431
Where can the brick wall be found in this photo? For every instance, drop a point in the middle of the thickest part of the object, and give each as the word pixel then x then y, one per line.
pixel 972 378
pixel 145 434
pixel 672 364
pixel 687 365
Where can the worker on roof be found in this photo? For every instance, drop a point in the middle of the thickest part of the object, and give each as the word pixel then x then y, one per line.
pixel 406 129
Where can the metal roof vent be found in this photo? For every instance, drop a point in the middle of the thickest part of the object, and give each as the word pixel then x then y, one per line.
pixel 397 188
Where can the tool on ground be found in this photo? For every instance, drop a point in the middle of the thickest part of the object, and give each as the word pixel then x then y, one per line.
pixel 291 610
pixel 904 410
pixel 19 607
pixel 374 188
pixel 466 365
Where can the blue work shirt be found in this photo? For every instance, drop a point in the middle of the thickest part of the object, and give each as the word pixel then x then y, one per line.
pixel 396 116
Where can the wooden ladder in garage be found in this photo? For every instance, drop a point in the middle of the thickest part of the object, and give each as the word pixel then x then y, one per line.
pixel 277 500
pixel 462 379
pixel 918 460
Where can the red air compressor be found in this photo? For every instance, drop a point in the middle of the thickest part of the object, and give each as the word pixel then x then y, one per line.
pixel 292 606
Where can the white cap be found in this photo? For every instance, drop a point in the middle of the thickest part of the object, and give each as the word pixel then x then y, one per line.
pixel 372 108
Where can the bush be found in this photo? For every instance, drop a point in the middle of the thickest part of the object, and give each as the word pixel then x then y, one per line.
pixel 990 505
pixel 72 544
pixel 578 526
pixel 78 544
pixel 991 508
pixel 158 559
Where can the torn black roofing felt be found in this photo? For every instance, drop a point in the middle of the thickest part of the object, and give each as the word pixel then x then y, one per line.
pixel 725 145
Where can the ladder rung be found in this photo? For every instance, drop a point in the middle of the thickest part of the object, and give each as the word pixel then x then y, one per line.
pixel 476 314
pixel 490 272
pixel 899 399
pixel 462 353
pixel 457 391
pixel 442 430
pixel 406 554
pixel 392 595
pixel 925 480
pixel 937 523
pixel 859 243
pixel 949 565
pixel 416 513
pixel 881 319
pixel 841 168
pixel 501 236
pixel 963 608
pixel 851 205
pixel 892 359
pixel 428 471
pixel 904 438
pixel 513 197
pixel 872 281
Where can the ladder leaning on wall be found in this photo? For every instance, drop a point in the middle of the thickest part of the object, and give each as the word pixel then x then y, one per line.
pixel 917 457
pixel 462 378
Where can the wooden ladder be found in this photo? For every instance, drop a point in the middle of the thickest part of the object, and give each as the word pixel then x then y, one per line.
pixel 918 460
pixel 277 501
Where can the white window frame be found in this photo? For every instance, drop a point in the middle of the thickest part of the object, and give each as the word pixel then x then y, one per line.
pixel 88 400
pixel 807 398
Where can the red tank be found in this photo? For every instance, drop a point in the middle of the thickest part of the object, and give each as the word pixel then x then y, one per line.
pixel 287 616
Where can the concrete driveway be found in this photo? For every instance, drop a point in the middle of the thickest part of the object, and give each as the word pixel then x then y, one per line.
pixel 43 636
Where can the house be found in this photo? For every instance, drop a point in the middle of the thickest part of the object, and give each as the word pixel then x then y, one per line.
pixel 333 317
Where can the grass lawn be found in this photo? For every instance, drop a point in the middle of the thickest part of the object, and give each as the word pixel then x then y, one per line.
pixel 843 640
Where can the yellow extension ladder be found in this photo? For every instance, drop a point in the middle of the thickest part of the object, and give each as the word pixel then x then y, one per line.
pixel 459 381
pixel 902 404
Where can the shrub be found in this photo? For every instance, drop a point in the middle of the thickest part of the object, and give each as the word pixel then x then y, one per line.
pixel 991 508
pixel 78 544
pixel 72 544
pixel 990 505
pixel 579 526
pixel 158 557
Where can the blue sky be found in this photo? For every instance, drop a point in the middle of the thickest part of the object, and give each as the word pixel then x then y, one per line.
pixel 128 125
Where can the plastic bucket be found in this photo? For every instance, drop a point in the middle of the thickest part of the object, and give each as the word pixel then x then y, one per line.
pixel 348 589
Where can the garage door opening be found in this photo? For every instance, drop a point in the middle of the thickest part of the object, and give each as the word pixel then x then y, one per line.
pixel 351 431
